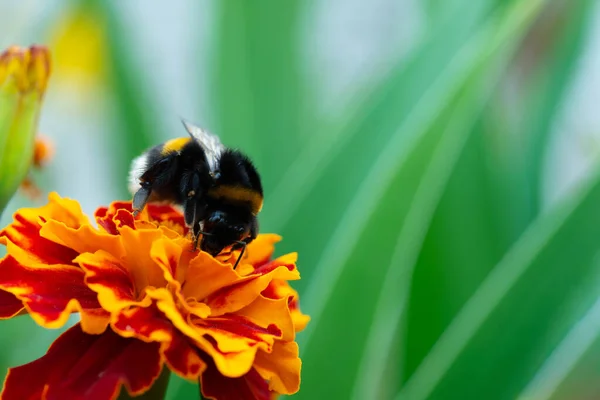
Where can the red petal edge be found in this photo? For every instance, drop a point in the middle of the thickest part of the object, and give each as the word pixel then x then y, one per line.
pixel 218 387
pixel 9 305
pixel 82 366
pixel 49 290
pixel 179 353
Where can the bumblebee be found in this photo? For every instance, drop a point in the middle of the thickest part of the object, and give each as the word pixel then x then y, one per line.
pixel 218 188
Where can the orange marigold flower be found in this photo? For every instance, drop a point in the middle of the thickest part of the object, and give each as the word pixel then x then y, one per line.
pixel 146 300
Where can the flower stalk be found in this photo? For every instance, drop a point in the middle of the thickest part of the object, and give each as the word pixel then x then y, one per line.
pixel 24 74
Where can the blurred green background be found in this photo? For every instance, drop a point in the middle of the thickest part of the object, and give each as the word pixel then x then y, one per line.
pixel 434 163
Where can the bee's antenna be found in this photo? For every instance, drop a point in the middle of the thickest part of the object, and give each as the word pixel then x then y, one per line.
pixel 243 244
pixel 197 238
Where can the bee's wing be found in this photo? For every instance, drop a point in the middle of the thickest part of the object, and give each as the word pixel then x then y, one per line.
pixel 210 143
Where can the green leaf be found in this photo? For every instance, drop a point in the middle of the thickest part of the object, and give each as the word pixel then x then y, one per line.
pixel 573 366
pixel 311 204
pixel 136 122
pixel 403 191
pixel 522 310
pixel 550 83
pixel 24 341
pixel 489 201
pixel 180 388
pixel 257 87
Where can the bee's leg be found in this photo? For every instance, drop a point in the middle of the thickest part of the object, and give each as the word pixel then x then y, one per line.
pixel 194 211
pixel 241 244
pixel 140 198
pixel 194 204
pixel 155 176
pixel 196 229
pixel 253 230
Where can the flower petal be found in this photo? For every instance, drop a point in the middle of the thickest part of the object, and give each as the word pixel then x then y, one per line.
pixel 235 333
pixel 149 324
pixel 24 232
pixel 281 367
pixel 232 341
pixel 251 386
pixel 82 239
pixel 152 216
pixel 82 366
pixel 280 289
pixel 261 249
pixel 105 275
pixel 205 276
pixel 264 312
pixel 257 253
pixel 9 305
pixel 138 260
pixel 121 280
pixel 168 216
pixel 52 293
pixel 169 255
pixel 235 297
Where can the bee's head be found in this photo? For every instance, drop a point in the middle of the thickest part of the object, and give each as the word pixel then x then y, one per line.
pixel 221 230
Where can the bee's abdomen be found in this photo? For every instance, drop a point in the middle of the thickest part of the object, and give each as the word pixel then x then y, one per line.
pixel 173 145
pixel 236 194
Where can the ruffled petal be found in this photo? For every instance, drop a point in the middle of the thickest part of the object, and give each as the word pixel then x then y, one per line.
pixel 173 257
pixel 9 305
pixel 234 333
pixel 231 340
pixel 152 216
pixel 281 367
pixel 24 232
pixel 263 312
pixel 150 324
pixel 205 276
pixel 280 289
pixel 257 253
pixel 250 386
pixel 52 293
pixel 82 239
pixel 233 298
pixel 261 249
pixel 105 275
pixel 120 281
pixel 138 261
pixel 82 366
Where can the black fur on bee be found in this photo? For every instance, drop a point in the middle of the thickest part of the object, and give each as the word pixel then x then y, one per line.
pixel 218 188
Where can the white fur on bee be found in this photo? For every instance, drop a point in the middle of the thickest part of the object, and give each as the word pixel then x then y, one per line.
pixel 138 167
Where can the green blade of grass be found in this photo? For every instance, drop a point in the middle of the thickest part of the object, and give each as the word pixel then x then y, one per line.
pixel 516 318
pixel 258 92
pixel 392 121
pixel 488 203
pixel 402 191
pixel 136 123
pixel 576 375
pixel 565 357
pixel 393 296
pixel 550 85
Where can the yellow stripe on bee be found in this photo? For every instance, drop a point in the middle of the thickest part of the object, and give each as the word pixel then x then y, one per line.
pixel 174 145
pixel 238 194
